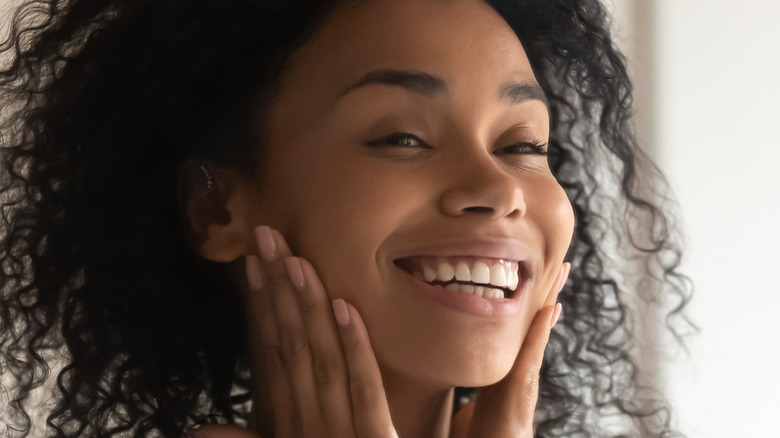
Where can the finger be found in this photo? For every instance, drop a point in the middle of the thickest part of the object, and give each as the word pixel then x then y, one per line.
pixel 273 372
pixel 507 408
pixel 557 286
pixel 525 375
pixel 371 414
pixel 292 336
pixel 220 431
pixel 459 426
pixel 328 362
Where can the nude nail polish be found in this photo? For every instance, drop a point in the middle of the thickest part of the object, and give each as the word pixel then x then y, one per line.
pixel 556 314
pixel 295 272
pixel 340 311
pixel 265 240
pixel 253 274
pixel 563 275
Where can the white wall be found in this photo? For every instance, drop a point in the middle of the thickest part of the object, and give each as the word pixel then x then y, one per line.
pixel 708 73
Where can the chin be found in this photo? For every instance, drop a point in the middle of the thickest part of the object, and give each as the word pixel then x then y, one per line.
pixel 477 372
pixel 484 377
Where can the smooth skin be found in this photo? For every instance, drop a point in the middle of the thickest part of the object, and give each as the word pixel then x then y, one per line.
pixel 441 156
pixel 323 378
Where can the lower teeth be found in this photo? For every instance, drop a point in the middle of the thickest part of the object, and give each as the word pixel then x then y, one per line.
pixel 480 291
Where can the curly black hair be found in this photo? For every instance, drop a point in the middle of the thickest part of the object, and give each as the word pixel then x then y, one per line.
pixel 103 103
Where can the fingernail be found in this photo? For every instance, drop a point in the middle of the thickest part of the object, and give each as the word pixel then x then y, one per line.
pixel 563 275
pixel 295 272
pixel 340 311
pixel 253 274
pixel 265 240
pixel 566 274
pixel 556 314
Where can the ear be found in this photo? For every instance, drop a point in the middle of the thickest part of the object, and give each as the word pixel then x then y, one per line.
pixel 218 207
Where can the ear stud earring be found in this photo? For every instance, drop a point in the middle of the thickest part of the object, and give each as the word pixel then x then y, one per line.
pixel 209 178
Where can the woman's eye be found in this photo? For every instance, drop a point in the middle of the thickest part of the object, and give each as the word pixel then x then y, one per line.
pixel 398 139
pixel 535 147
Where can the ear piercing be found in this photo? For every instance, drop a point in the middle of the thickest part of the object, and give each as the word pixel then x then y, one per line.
pixel 209 178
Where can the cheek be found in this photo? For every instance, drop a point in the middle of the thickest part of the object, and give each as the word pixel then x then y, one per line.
pixel 549 208
pixel 561 215
pixel 337 217
pixel 553 213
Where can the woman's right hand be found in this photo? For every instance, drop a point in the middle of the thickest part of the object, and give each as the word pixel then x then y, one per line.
pixel 314 358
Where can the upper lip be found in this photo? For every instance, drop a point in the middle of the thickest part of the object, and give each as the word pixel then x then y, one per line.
pixel 490 248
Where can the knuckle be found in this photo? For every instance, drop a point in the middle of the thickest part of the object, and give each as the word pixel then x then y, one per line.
pixel 532 389
pixel 364 395
pixel 294 345
pixel 532 380
pixel 307 302
pixel 327 367
pixel 350 343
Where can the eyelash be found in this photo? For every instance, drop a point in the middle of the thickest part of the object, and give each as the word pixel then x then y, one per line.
pixel 400 139
pixel 393 140
pixel 536 147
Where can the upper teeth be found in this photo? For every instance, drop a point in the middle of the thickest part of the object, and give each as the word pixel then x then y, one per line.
pixel 500 273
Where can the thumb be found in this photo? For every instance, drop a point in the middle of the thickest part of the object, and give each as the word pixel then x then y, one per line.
pixel 507 408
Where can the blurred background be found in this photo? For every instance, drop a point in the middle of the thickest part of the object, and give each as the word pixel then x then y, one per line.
pixel 708 104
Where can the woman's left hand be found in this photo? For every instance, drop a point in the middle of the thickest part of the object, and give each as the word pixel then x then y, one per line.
pixel 506 409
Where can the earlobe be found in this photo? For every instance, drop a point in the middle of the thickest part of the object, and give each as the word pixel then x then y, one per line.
pixel 215 204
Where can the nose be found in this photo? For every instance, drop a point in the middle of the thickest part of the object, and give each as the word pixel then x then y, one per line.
pixel 480 186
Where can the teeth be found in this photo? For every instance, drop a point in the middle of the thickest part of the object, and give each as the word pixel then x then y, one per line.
pixel 480 291
pixel 446 272
pixel 497 275
pixel 462 272
pixel 493 293
pixel 429 274
pixel 514 279
pixel 480 273
pixel 491 275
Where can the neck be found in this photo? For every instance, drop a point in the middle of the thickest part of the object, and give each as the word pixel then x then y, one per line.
pixel 418 411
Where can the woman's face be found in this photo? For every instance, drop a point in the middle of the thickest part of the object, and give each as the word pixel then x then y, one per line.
pixel 404 146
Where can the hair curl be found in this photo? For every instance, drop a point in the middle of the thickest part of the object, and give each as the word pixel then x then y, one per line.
pixel 103 102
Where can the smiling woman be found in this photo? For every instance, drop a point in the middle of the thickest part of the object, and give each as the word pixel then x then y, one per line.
pixel 323 219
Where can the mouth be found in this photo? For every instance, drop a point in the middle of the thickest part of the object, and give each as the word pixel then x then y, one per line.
pixel 491 279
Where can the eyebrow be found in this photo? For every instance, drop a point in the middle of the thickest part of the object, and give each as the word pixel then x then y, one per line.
pixel 428 85
pixel 519 92
pixel 417 82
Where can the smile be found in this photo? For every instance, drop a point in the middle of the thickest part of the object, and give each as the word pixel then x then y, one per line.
pixel 479 276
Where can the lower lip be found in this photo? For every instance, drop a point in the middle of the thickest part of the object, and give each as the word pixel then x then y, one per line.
pixel 471 304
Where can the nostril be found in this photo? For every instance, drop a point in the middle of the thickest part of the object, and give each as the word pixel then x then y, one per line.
pixel 478 209
pixel 493 202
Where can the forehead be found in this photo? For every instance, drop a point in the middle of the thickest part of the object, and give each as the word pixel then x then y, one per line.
pixel 464 42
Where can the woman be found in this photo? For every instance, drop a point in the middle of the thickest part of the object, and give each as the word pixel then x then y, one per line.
pixel 340 210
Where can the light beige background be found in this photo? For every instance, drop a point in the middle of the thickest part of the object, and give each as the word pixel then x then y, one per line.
pixel 709 111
